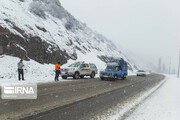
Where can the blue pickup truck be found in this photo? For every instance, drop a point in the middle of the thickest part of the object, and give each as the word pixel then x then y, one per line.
pixel 116 68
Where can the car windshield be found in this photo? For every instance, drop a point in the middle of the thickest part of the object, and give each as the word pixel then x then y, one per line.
pixel 112 64
pixel 111 68
pixel 74 65
pixel 141 71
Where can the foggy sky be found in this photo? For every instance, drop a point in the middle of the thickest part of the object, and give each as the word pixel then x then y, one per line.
pixel 149 28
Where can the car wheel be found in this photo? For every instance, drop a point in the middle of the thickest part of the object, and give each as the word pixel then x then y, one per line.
pixel 76 75
pixel 92 75
pixel 102 78
pixel 64 77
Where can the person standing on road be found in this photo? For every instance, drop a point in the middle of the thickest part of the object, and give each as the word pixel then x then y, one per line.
pixel 20 69
pixel 58 71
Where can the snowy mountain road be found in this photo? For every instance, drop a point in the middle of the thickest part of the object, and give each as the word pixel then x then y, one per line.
pixel 76 99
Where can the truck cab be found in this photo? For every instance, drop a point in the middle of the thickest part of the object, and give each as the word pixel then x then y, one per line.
pixel 116 68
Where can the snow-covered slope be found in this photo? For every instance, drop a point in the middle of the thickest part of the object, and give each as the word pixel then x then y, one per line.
pixel 48 20
pixel 43 31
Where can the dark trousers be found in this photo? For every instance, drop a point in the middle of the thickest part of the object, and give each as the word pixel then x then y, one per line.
pixel 21 73
pixel 57 75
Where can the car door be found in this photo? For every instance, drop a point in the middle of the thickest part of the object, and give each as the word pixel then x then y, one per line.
pixel 82 69
pixel 88 69
pixel 93 68
pixel 118 71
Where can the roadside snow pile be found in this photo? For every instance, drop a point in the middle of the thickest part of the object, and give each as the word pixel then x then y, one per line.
pixel 162 105
pixel 34 71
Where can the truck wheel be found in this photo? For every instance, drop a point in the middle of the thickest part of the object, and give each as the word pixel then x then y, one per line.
pixel 81 76
pixel 124 77
pixel 64 77
pixel 92 75
pixel 115 77
pixel 76 75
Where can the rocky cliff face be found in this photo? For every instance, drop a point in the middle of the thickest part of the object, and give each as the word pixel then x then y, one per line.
pixel 44 31
pixel 31 48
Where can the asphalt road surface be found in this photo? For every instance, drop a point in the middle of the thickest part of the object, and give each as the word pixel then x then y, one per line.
pixel 80 99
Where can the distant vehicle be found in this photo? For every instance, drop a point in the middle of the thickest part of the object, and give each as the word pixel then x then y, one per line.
pixel 117 68
pixel 141 73
pixel 79 70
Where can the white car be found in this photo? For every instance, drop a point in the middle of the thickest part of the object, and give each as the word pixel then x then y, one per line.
pixel 79 70
pixel 141 73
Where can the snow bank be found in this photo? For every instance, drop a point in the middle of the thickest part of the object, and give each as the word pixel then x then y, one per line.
pixel 34 71
pixel 162 105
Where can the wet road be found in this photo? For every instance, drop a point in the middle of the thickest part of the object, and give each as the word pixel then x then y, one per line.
pixel 77 99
